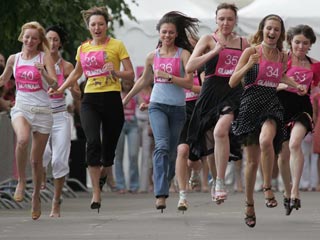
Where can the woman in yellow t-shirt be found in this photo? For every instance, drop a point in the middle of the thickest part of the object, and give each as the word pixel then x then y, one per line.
pixel 99 60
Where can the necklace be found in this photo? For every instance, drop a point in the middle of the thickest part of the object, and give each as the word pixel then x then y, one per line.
pixel 301 62
pixel 268 45
pixel 270 55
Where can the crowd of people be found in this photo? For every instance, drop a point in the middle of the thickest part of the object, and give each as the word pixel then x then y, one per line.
pixel 198 104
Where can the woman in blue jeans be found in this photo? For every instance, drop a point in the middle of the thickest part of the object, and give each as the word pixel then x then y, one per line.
pixel 166 66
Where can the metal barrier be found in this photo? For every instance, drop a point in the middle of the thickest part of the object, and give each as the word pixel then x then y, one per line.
pixel 8 172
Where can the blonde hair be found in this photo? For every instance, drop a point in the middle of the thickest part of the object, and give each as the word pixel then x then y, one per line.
pixel 44 44
pixel 102 11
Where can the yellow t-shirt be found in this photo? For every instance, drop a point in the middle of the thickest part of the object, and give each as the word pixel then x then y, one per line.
pixel 116 52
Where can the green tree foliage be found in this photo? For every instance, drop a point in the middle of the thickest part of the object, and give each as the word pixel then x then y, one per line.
pixel 14 13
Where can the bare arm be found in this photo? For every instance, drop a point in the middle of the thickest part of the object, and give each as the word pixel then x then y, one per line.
pixel 204 50
pixel 127 72
pixel 74 89
pixel 7 73
pixel 71 80
pixel 49 72
pixel 145 79
pixel 247 60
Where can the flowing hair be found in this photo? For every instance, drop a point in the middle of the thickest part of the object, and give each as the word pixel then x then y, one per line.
pixel 186 26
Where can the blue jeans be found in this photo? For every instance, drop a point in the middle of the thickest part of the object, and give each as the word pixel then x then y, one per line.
pixel 130 129
pixel 166 123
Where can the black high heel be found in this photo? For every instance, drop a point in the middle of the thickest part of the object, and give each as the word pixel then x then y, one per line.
pixel 95 205
pixel 286 204
pixel 270 202
pixel 250 220
pixel 295 203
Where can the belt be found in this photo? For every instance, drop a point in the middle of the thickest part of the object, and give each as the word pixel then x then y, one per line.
pixel 33 109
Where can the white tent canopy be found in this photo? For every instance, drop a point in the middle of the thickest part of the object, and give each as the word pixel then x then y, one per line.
pixel 293 12
pixel 141 38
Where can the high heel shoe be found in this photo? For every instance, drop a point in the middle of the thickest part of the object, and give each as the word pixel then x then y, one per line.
pixel 220 191
pixel 250 220
pixel 286 204
pixel 19 192
pixel 295 203
pixel 95 205
pixel 161 204
pixel 195 181
pixel 35 214
pixel 55 208
pixel 271 202
pixel 182 205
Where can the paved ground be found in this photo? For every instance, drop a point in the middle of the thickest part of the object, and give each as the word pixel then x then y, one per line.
pixel 134 217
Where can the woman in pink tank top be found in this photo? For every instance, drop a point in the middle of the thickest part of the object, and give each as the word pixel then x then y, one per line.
pixel 297 113
pixel 260 119
pixel 34 71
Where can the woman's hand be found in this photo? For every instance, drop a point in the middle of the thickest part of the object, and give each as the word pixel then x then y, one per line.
pixel 52 91
pixel 302 90
pixel 143 106
pixel 40 67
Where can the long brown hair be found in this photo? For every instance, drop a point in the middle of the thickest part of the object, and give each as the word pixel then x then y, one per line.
pixel 258 36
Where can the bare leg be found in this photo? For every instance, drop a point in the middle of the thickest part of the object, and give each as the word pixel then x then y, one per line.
pixel 39 142
pixel 94 172
pixel 181 175
pixel 268 132
pixel 221 154
pixel 253 156
pixel 56 201
pixel 204 176
pixel 22 130
pixel 238 175
pixel 296 157
pixel 284 168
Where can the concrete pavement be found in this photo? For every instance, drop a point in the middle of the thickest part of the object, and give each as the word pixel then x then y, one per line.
pixel 133 217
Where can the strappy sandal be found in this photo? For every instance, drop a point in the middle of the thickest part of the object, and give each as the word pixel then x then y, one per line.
pixel 182 205
pixel 194 181
pixel 220 191
pixel 250 220
pixel 270 202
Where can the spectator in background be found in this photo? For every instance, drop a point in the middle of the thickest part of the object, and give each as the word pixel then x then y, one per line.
pixel 146 141
pixel 129 131
pixel 2 60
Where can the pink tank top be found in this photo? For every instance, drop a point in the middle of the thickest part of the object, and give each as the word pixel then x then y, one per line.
pixel 92 62
pixel 301 75
pixel 190 95
pixel 270 73
pixel 28 78
pixel 169 65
